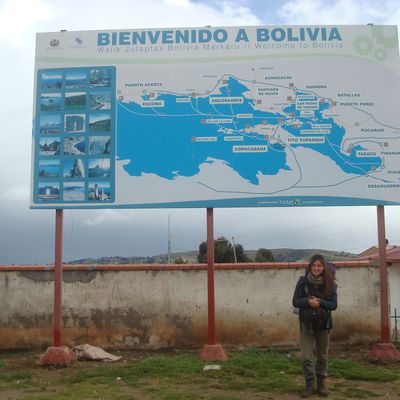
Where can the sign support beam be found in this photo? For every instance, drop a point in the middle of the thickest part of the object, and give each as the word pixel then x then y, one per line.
pixel 211 351
pixel 384 351
pixel 57 355
pixel 383 276
pixel 58 278
pixel 210 276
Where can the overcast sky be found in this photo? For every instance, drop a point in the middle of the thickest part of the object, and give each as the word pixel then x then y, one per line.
pixel 27 236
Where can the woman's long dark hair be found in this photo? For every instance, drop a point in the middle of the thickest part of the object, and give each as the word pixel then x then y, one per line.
pixel 328 278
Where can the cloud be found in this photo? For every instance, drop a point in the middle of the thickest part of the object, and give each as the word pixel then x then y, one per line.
pixel 15 193
pixel 323 12
pixel 106 217
pixel 28 235
pixel 151 13
pixel 393 16
pixel 17 17
pixel 180 3
pixel 234 11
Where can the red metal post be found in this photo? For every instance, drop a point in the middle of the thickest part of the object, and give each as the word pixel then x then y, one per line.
pixel 383 275
pixel 385 351
pixel 58 278
pixel 210 276
pixel 57 355
pixel 211 351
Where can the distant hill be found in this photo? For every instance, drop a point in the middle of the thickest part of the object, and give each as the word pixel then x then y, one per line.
pixel 290 255
pixel 281 255
pixel 117 260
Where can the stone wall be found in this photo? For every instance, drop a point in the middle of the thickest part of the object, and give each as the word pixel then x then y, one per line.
pixel 158 306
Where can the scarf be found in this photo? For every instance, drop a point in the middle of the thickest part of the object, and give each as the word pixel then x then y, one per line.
pixel 316 282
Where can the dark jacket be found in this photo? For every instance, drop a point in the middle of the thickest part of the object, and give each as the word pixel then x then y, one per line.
pixel 300 299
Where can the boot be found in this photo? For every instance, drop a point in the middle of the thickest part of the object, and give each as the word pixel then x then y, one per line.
pixel 321 390
pixel 309 388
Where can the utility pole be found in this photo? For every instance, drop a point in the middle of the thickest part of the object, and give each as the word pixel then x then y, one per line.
pixel 234 249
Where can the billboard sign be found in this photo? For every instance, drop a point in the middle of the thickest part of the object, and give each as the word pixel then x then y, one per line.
pixel 217 117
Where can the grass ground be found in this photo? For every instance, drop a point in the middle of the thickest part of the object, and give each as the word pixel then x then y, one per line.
pixel 251 374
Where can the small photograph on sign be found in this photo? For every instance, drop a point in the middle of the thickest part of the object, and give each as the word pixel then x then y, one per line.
pixel 100 77
pixel 49 146
pixel 73 168
pixel 74 146
pixel 51 80
pixel 49 169
pixel 75 122
pixel 99 144
pixel 50 124
pixel 75 79
pixel 99 168
pixel 100 101
pixel 75 101
pixel 74 136
pixel 74 191
pixel 49 191
pixel 50 102
pixel 99 122
pixel 99 191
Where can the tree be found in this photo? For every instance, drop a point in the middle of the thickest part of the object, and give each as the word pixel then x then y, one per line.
pixel 264 255
pixel 241 256
pixel 180 260
pixel 223 252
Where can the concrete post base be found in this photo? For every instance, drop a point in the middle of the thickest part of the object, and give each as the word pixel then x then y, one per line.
pixel 213 352
pixel 57 356
pixel 384 353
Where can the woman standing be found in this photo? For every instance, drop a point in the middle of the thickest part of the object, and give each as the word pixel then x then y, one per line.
pixel 315 296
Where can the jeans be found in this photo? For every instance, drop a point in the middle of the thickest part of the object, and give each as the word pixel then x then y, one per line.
pixel 307 339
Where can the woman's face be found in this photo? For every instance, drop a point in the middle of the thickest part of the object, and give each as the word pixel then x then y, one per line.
pixel 317 268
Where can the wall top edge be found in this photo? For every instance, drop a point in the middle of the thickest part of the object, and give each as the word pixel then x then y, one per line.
pixel 179 267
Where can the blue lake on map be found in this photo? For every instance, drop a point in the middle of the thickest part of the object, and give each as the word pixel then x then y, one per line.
pixel 163 143
pixel 333 141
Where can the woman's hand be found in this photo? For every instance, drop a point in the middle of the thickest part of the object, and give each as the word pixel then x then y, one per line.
pixel 313 302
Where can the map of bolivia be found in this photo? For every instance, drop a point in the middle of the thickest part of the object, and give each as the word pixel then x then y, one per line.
pixel 181 132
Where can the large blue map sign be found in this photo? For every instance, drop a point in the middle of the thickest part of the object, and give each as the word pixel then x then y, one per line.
pixel 217 117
